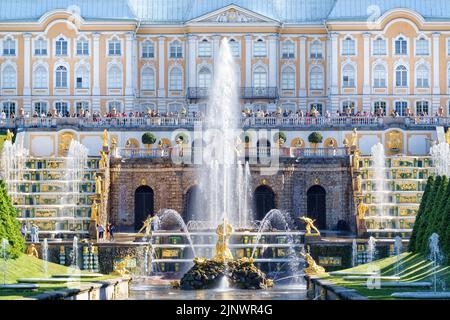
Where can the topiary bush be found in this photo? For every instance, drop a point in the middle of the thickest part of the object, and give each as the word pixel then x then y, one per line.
pixel 148 138
pixel 315 138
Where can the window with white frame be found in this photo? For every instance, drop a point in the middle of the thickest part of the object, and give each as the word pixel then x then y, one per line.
pixel 114 77
pixel 317 106
pixel 288 78
pixel 316 78
pixel 9 47
pixel 401 108
pixel 40 47
pixel 316 50
pixel 9 108
pixel 61 46
pixel 288 107
pixel 422 108
pixel 82 78
pixel 348 107
pixel 348 47
pixel 379 76
pixel 114 47
pixel 176 79
pixel 175 50
pixel 174 107
pixel 40 108
pixel 204 48
pixel 259 77
pixel 379 47
pixel 40 78
pixel 114 106
pixel 401 46
pixel 259 48
pixel 379 108
pixel 204 78
pixel 348 76
pixel 422 77
pixel 422 47
pixel 401 76
pixel 9 78
pixel 148 79
pixel 148 50
pixel 234 46
pixel 82 47
pixel 61 77
pixel 81 107
pixel 62 108
pixel 288 50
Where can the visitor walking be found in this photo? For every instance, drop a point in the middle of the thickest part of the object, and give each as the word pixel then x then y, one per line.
pixel 34 234
pixel 101 231
pixel 23 231
pixel 111 232
pixel 107 231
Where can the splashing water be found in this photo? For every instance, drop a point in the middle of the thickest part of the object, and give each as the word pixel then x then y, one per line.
pixel 371 249
pixel 398 248
pixel 435 257
pixel 440 154
pixel 45 256
pixel 354 253
pixel 380 175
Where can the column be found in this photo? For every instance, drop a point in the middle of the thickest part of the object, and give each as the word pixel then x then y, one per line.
pixel 129 63
pixel 161 67
pixel 248 60
pixel 273 60
pixel 334 73
pixel 191 66
pixel 302 72
pixel 96 72
pixel 27 73
pixel 216 47
pixel 366 85
pixel 436 73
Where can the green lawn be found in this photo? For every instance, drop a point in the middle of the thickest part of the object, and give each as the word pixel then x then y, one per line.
pixel 30 267
pixel 413 268
pixel 2 140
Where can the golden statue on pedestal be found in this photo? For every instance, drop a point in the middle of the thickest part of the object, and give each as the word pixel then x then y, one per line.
pixel 354 139
pixel 223 232
pixel 105 138
pixel 9 136
pixel 313 268
pixel 120 268
pixel 362 209
pixel 147 227
pixel 356 157
pixel 310 225
pixel 103 160
pixel 32 251
pixel 94 211
pixel 98 185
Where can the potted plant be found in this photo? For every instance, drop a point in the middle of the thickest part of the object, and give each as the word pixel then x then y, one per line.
pixel 314 139
pixel 181 138
pixel 148 139
pixel 280 138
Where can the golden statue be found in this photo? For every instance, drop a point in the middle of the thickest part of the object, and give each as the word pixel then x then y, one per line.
pixel 32 251
pixel 354 139
pixel 94 211
pixel 113 143
pixel 147 225
pixel 103 160
pixel 223 232
pixel 105 139
pixel 447 136
pixel 120 268
pixel 98 185
pixel 356 157
pixel 65 140
pixel 313 268
pixel 309 225
pixel 358 186
pixel 362 209
pixel 9 136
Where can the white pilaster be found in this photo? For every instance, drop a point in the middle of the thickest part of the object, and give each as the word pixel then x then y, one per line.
pixel 26 65
pixel 366 84
pixel 216 47
pixel 129 64
pixel 96 69
pixel 436 72
pixel 302 56
pixel 273 60
pixel 334 64
pixel 191 56
pixel 161 67
pixel 248 60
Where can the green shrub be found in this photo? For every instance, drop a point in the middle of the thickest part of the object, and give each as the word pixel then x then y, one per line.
pixel 315 138
pixel 183 137
pixel 279 136
pixel 148 138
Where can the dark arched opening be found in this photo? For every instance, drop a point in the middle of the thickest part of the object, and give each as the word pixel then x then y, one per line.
pixel 143 205
pixel 316 206
pixel 192 204
pixel 263 201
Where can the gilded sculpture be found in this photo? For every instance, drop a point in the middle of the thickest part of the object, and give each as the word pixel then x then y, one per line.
pixel 223 232
pixel 9 136
pixel 32 251
pixel 358 184
pixel 309 224
pixel 394 142
pixel 103 160
pixel 362 209
pixel 65 139
pixel 113 143
pixel 120 268
pixel 147 226
pixel 98 185
pixel 313 268
pixel 356 157
pixel 354 139
pixel 105 138
pixel 94 211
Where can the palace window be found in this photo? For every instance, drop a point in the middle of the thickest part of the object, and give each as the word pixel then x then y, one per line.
pixel 422 77
pixel 115 78
pixel 288 50
pixel 349 107
pixel 204 48
pixel 317 106
pixel 422 108
pixel 401 76
pixel 348 47
pixel 114 106
pixel 175 50
pixel 62 108
pixel 316 50
pixel 348 76
pixel 148 79
pixel 174 107
pixel 379 47
pixel 40 47
pixel 379 107
pixel 40 78
pixel 401 107
pixel 260 77
pixel 61 77
pixel 234 46
pixel 316 78
pixel 259 48
pixel 288 79
pixel 379 76
pixel 9 78
pixel 401 46
pixel 40 108
pixel 176 79
pixel 9 108
pixel 114 47
pixel 9 47
pixel 148 50
pixel 82 47
pixel 81 106
pixel 422 47
pixel 82 78
pixel 289 107
pixel 204 78
pixel 61 47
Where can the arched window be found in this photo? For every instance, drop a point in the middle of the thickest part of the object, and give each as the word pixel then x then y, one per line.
pixel 288 79
pixel 82 47
pixel 176 79
pixel 401 46
pixel 204 48
pixel 61 47
pixel 317 106
pixel 348 76
pixel 9 47
pixel 115 77
pixel 114 47
pixel 379 47
pixel 204 78
pixel 61 77
pixel 316 78
pixel 9 78
pixel 348 47
pixel 40 47
pixel 401 107
pixel 9 108
pixel 148 79
pixel 422 47
pixel 422 77
pixel 260 77
pixel 401 76
pixel 40 78
pixel 316 50
pixel 148 49
pixel 288 50
pixel 82 77
pixel 62 108
pixel 259 48
pixel 234 47
pixel 379 76
pixel 175 50
pixel 422 108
